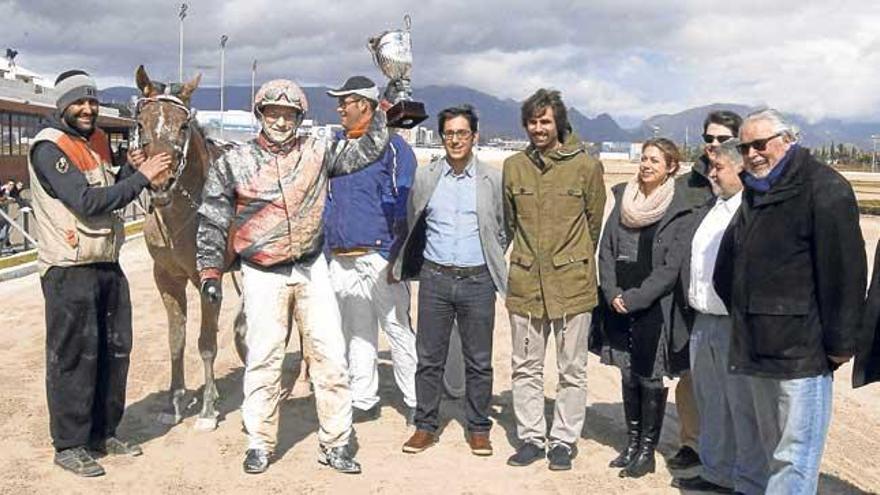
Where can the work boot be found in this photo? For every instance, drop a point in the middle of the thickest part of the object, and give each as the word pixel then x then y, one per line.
pixel 527 454
pixel 419 441
pixel 653 409
pixel 78 461
pixel 479 443
pixel 339 458
pixel 256 461
pixel 632 412
pixel 115 446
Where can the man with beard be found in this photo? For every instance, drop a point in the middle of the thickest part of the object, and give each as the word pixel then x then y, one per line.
pixel 554 198
pixel 76 193
pixel 265 200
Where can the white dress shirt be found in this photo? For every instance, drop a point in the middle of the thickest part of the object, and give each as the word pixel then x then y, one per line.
pixel 704 252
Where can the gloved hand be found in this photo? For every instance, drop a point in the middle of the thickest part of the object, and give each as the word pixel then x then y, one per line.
pixel 212 290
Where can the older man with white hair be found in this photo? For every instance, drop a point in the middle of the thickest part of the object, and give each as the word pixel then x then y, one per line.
pixel 792 271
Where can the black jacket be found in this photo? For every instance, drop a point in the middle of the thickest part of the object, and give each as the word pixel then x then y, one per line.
pixel 662 286
pixel 867 365
pixel 792 272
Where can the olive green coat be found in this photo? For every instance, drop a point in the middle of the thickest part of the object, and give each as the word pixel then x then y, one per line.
pixel 553 207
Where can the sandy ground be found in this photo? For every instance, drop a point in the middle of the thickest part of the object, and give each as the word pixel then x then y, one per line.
pixel 180 459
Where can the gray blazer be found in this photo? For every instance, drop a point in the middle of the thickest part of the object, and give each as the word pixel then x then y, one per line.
pixel 490 217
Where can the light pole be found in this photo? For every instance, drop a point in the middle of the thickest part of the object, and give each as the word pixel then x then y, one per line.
pixel 223 40
pixel 874 138
pixel 182 15
pixel 254 84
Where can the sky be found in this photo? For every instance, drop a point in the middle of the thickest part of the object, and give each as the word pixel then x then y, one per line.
pixel 630 59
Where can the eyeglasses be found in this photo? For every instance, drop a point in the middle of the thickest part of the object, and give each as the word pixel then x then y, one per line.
pixel 710 138
pixel 758 144
pixel 460 134
pixel 343 103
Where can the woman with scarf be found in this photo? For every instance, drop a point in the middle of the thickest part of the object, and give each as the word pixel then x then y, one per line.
pixel 639 327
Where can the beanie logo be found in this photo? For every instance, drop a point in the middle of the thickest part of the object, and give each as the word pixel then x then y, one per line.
pixel 62 165
pixel 91 92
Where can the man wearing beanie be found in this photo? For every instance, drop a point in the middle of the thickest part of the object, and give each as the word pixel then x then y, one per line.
pixel 364 226
pixel 76 193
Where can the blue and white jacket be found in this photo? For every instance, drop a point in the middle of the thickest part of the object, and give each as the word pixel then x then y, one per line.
pixel 367 209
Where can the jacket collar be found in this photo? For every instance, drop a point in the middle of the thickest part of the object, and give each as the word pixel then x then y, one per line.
pixel 787 185
pixel 567 150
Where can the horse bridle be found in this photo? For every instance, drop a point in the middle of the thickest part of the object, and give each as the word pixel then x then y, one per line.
pixel 182 150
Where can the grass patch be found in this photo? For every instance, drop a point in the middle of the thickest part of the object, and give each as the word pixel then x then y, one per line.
pixel 869 206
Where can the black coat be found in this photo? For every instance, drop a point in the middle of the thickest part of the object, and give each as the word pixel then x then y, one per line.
pixel 792 272
pixel 867 366
pixel 661 288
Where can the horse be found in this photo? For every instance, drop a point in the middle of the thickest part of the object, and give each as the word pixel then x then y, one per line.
pixel 166 124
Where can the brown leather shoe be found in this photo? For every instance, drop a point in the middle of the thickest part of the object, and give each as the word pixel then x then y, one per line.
pixel 419 441
pixel 480 443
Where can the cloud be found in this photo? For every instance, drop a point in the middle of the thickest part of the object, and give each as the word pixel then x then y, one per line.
pixel 629 58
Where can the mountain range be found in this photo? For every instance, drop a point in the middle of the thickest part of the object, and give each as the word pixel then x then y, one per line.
pixel 501 117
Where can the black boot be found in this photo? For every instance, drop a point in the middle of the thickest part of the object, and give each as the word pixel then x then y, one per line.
pixel 653 409
pixel 632 412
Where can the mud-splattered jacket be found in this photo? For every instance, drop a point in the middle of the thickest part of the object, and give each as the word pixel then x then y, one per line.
pixel 265 203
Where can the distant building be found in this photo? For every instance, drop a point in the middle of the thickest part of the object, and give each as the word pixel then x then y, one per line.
pixel 508 144
pixel 418 136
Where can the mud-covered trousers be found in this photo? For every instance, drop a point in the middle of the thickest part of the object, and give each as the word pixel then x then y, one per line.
pixel 273 298
pixel 88 342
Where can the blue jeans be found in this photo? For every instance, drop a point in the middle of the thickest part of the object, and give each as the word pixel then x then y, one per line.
pixel 793 418
pixel 730 444
pixel 445 298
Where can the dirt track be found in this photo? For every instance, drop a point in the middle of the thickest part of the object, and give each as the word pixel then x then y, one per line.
pixel 182 460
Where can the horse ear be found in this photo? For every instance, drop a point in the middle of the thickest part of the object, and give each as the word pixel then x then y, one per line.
pixel 190 87
pixel 143 82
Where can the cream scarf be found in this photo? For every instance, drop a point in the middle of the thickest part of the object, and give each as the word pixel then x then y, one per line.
pixel 638 210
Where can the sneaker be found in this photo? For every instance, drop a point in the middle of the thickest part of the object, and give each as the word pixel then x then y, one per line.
pixel 685 458
pixel 560 457
pixel 698 484
pixel 78 461
pixel 115 446
pixel 340 459
pixel 362 415
pixel 527 454
pixel 419 441
pixel 256 461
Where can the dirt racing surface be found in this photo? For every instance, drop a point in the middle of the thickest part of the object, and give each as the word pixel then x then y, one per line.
pixel 179 459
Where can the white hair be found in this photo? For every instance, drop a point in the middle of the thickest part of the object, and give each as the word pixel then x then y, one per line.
pixel 778 122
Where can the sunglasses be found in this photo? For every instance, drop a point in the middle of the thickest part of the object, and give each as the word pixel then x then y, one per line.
pixel 758 144
pixel 710 138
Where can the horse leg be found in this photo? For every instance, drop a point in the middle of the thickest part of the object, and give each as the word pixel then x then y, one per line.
pixel 207 420
pixel 173 291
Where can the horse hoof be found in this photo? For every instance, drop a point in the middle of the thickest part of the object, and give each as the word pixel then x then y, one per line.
pixel 169 419
pixel 206 424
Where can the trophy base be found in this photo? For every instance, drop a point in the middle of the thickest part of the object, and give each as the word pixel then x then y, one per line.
pixel 406 114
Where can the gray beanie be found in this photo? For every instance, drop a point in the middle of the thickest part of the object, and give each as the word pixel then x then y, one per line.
pixel 74 85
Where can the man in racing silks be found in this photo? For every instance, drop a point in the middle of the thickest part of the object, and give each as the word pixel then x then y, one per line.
pixel 264 200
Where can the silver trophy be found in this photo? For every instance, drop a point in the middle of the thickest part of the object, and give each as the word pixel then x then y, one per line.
pixel 392 53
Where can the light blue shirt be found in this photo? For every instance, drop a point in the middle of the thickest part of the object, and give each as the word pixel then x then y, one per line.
pixel 453 232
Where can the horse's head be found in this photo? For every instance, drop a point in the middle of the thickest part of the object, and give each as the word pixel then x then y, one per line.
pixel 165 124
